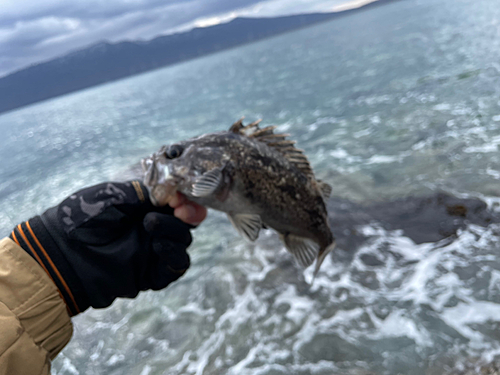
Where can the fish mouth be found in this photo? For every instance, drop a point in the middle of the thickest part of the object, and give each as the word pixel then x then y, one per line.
pixel 161 194
pixel 161 184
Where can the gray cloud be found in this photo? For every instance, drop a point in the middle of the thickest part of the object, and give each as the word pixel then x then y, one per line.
pixel 32 30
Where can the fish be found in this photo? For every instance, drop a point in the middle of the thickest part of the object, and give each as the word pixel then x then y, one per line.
pixel 254 175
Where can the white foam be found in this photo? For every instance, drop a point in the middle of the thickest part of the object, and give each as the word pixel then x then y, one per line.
pixel 284 127
pixel 442 107
pixel 339 153
pixel 362 133
pixel 484 149
pixel 299 306
pixel 252 354
pixel 382 159
pixel 464 314
pixel 115 359
pixel 493 173
pixel 399 325
pixel 97 352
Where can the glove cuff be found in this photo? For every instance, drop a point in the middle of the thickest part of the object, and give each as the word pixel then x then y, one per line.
pixel 34 236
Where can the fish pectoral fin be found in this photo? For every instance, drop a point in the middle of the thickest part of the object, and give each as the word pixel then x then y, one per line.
pixel 207 183
pixel 248 225
pixel 303 249
pixel 326 190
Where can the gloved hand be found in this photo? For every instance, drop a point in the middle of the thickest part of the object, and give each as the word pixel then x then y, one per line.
pixel 109 241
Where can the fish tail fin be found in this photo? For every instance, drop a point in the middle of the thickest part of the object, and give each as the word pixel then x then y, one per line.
pixel 321 257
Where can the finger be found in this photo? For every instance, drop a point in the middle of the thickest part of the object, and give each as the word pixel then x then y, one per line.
pixel 171 255
pixel 191 213
pixel 167 228
pixel 166 266
pixel 177 200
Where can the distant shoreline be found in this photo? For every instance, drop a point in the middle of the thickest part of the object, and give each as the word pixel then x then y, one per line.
pixel 106 62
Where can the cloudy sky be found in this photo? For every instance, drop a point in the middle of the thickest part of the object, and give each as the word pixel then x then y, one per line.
pixel 32 31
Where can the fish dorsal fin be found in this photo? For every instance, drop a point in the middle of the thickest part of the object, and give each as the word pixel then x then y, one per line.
pixel 237 126
pixel 326 190
pixel 250 129
pixel 303 249
pixel 207 183
pixel 248 225
pixel 277 141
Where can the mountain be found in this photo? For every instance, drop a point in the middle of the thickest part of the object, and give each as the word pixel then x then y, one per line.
pixel 106 62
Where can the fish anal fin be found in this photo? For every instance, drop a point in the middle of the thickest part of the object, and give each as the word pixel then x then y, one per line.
pixel 207 183
pixel 303 249
pixel 326 189
pixel 321 257
pixel 248 225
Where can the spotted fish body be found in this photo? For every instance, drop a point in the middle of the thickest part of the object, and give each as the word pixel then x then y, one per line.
pixel 255 176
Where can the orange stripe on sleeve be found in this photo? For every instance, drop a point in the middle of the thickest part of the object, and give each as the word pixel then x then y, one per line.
pixel 53 267
pixel 21 232
pixel 138 190
pixel 20 229
pixel 15 238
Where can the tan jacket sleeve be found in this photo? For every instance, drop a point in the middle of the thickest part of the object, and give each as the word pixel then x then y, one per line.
pixel 34 322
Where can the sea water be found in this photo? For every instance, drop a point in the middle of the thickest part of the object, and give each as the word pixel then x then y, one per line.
pixel 395 101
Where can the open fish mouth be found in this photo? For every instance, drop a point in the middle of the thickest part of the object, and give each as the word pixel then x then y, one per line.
pixel 162 185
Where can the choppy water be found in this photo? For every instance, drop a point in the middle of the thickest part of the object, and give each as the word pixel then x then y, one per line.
pixel 399 100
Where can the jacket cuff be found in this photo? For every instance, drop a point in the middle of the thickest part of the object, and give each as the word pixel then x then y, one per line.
pixel 35 238
pixel 32 297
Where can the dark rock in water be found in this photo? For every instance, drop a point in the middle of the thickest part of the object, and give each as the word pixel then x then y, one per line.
pixel 423 219
pixel 434 218
pixel 371 260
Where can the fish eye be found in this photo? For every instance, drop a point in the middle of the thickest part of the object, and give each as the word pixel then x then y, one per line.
pixel 173 152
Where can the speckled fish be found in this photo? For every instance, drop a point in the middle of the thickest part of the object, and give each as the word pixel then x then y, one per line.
pixel 255 176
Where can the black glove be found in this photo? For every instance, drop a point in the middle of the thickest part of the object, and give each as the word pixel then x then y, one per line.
pixel 107 241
